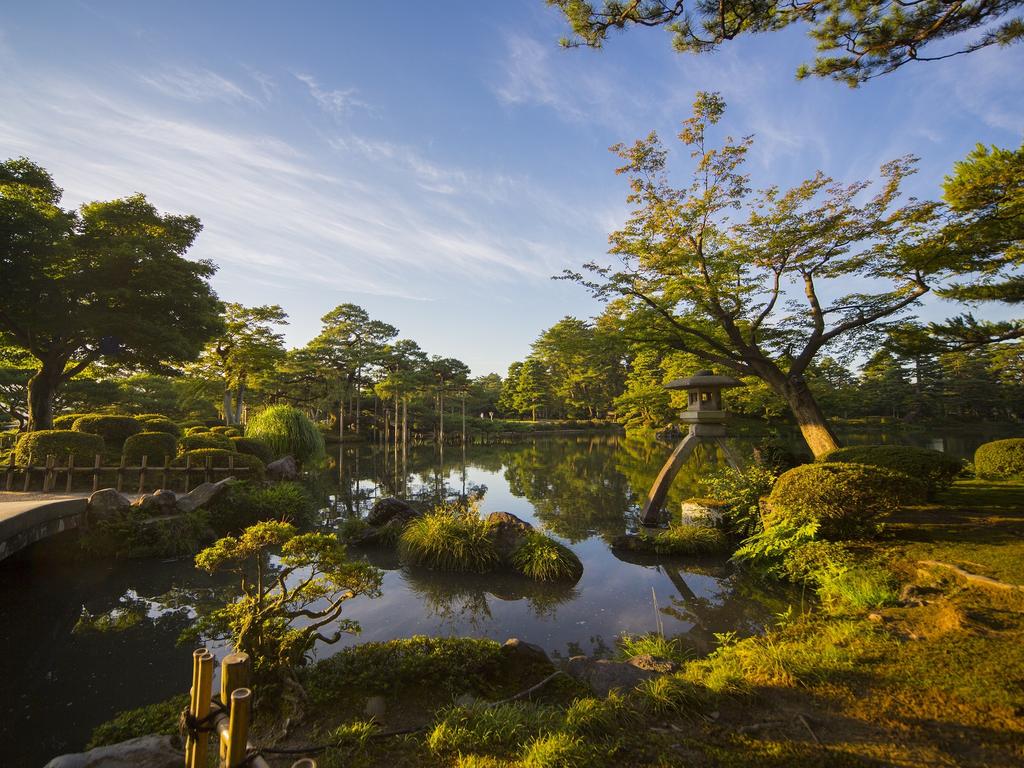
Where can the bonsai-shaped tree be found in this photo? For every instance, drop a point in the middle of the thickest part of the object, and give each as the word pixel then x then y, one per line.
pixel 285 607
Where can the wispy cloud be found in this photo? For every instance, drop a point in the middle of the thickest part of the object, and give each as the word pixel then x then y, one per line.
pixel 197 85
pixel 337 102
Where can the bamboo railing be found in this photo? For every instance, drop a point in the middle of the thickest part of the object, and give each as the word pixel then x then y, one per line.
pixel 49 474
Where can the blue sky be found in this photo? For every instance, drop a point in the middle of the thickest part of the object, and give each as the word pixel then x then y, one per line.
pixel 434 163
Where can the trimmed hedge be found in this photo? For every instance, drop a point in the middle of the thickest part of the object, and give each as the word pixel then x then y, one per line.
pixel 113 429
pixel 152 423
pixel 65 421
pixel 253 447
pixel 287 430
pixel 229 431
pixel 846 500
pixel 247 503
pixel 191 442
pixel 219 458
pixel 153 445
pixel 197 429
pixel 1000 459
pixel 935 469
pixel 60 443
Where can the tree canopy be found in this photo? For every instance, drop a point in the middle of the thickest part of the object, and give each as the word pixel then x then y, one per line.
pixel 109 280
pixel 856 41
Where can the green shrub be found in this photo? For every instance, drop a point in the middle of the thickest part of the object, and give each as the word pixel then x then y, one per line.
pixel 196 440
pixel 160 424
pixel 113 429
pixel 246 503
pixel 741 491
pixel 153 445
pixel 1000 459
pixel 542 558
pixel 689 540
pixel 220 458
pixel 449 539
pixel 161 718
pixel 253 447
pixel 65 421
pixel 935 469
pixel 845 500
pixel 197 429
pixel 60 443
pixel 228 431
pixel 287 431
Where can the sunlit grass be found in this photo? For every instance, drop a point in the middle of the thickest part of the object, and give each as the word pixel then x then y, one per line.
pixel 653 644
pixel 449 539
pixel 544 559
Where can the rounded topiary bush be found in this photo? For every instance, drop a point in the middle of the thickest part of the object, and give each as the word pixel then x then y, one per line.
pixel 113 429
pixel 196 440
pixel 155 423
pixel 196 429
pixel 935 469
pixel 66 420
pixel 221 458
pixel 1000 459
pixel 846 500
pixel 253 447
pixel 229 431
pixel 155 446
pixel 287 431
pixel 60 443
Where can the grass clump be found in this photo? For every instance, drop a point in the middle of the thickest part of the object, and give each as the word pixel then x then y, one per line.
pixel 691 540
pixel 541 558
pixel 653 644
pixel 670 695
pixel 858 588
pixel 160 718
pixel 288 431
pixel 598 718
pixel 246 503
pixel 557 750
pixel 449 538
pixel 494 729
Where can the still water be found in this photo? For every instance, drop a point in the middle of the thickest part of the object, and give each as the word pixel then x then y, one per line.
pixel 57 684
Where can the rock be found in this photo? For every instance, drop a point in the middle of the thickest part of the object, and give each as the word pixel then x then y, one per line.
pixel 518 652
pixel 876 617
pixel 284 468
pixel 142 752
pixel 203 494
pixel 390 508
pixel 651 664
pixel 466 700
pixel 157 504
pixel 603 675
pixel 106 504
pixel 507 531
pixel 376 707
pixel 702 512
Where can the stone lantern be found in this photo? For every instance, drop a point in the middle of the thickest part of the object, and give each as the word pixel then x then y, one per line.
pixel 706 418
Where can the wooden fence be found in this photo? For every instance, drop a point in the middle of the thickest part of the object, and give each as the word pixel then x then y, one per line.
pixel 49 474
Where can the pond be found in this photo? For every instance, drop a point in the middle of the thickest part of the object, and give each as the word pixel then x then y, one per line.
pixel 583 489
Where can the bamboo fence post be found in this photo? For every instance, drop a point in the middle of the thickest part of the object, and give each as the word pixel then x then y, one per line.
pixel 9 479
pixel 142 474
pixel 120 473
pixel 306 762
pixel 188 468
pixel 190 744
pixel 208 470
pixel 71 473
pixel 231 465
pixel 163 475
pixel 234 674
pixel 28 473
pixel 49 475
pixel 96 473
pixel 238 726
pixel 204 689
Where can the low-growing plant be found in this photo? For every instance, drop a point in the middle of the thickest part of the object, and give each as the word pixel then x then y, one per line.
pixel 113 429
pixel 557 750
pixel 449 538
pixel 670 695
pixel 246 503
pixel 1000 459
pixel 285 608
pixel 160 718
pixel 741 491
pixel 935 469
pixel 846 500
pixel 540 557
pixel 60 443
pixel 489 728
pixel 155 446
pixel 858 588
pixel 288 431
pixel 196 440
pixel 598 718
pixel 691 540
pixel 653 644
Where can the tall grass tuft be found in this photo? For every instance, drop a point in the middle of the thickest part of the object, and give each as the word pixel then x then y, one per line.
pixel 287 431
pixel 858 588
pixel 653 644
pixel 670 695
pixel 544 559
pixel 557 750
pixel 597 718
pixel 482 728
pixel 689 540
pixel 449 539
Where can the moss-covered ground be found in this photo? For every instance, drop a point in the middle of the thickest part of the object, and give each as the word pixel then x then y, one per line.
pixel 935 677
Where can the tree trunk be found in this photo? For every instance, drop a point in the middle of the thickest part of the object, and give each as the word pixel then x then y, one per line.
pixel 227 405
pixel 239 404
pixel 41 389
pixel 809 417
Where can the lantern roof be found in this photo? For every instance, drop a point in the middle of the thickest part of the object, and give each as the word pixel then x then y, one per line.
pixel 705 380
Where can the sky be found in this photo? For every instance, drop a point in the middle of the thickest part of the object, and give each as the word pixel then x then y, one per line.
pixel 438 163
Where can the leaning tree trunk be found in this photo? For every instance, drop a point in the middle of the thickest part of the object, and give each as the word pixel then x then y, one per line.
pixel 227 405
pixel 809 418
pixel 41 389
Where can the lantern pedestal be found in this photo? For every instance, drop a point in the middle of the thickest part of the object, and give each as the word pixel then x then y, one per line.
pixel 707 424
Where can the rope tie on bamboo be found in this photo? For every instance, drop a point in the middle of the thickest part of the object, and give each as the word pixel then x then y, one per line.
pixel 190 726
